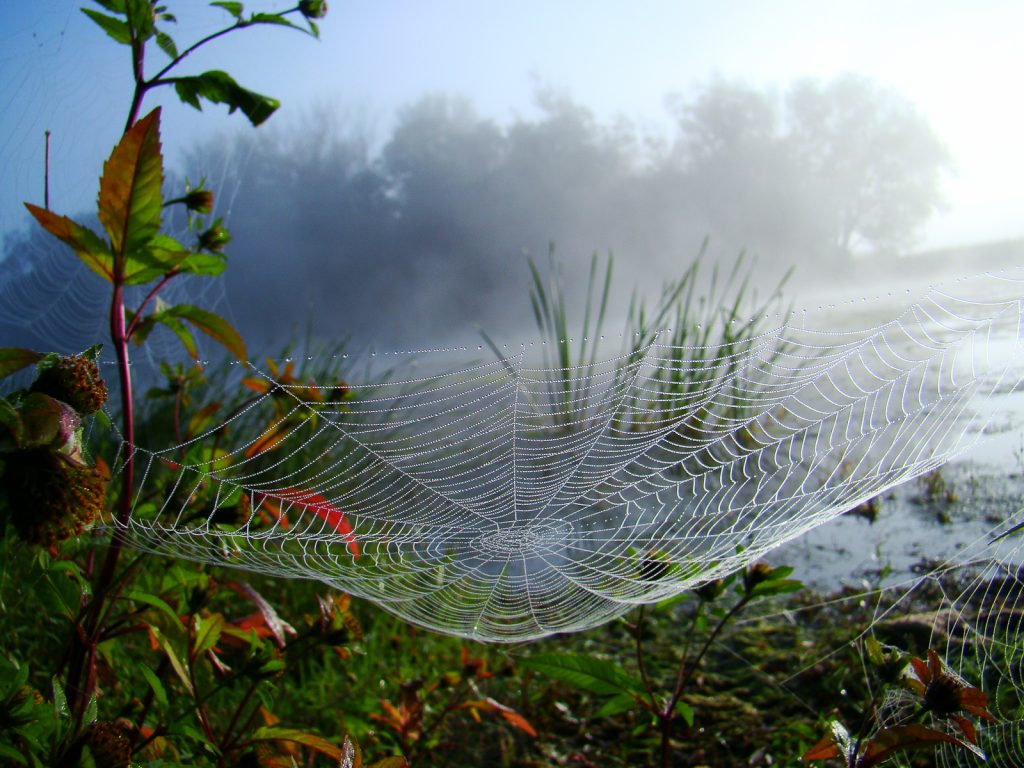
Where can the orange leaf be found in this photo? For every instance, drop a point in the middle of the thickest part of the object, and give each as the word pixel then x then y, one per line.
pixel 825 749
pixel 269 439
pixel 130 201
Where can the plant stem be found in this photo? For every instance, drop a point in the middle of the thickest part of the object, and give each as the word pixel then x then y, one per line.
pixel 640 658
pixel 686 670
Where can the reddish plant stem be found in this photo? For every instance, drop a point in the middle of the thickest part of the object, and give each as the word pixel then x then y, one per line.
pixel 137 318
pixel 82 667
pixel 686 670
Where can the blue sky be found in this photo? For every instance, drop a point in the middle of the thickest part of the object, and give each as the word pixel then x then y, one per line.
pixel 959 64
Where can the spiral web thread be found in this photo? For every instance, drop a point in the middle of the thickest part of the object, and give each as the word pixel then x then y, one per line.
pixel 503 502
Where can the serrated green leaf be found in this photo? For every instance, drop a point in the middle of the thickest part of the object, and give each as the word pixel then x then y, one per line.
pixel 213 325
pixel 166 43
pixel 15 358
pixel 131 199
pixel 219 87
pixel 115 28
pixel 83 241
pixel 161 256
pixel 235 9
pixel 585 673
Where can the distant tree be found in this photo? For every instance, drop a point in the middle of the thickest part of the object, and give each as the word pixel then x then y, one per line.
pixel 872 157
pixel 846 165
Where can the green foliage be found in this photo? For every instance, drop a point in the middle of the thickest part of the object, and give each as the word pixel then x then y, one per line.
pixel 623 692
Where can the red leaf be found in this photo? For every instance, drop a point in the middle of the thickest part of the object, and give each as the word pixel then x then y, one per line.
pixel 274 625
pixel 823 750
pixel 901 738
pixel 335 519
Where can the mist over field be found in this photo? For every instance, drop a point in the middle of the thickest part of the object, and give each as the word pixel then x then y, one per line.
pixel 422 238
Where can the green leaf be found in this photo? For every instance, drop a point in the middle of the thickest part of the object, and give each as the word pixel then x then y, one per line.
pixel 235 9
pixel 172 656
pixel 210 264
pixel 777 587
pixel 273 18
pixel 44 420
pixel 154 602
pixel 159 692
pixel 15 358
pixel 11 428
pixel 85 243
pixel 10 753
pixel 91 710
pixel 114 6
pixel 686 711
pixel 60 701
pixel 166 44
pixel 131 200
pixel 207 633
pixel 115 28
pixel 184 335
pixel 140 14
pixel 585 673
pixel 623 702
pixel 213 325
pixel 143 329
pixel 220 88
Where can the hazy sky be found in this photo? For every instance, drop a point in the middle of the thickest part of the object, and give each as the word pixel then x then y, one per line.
pixel 959 63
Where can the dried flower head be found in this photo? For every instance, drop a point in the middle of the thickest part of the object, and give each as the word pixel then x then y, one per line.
pixel 109 745
pixel 51 496
pixel 74 380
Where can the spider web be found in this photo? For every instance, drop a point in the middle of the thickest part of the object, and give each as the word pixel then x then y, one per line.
pixel 503 500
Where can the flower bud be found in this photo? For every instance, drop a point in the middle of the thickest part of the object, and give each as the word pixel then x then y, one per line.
pixel 199 200
pixel 214 239
pixel 313 9
pixel 758 573
pixel 711 590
